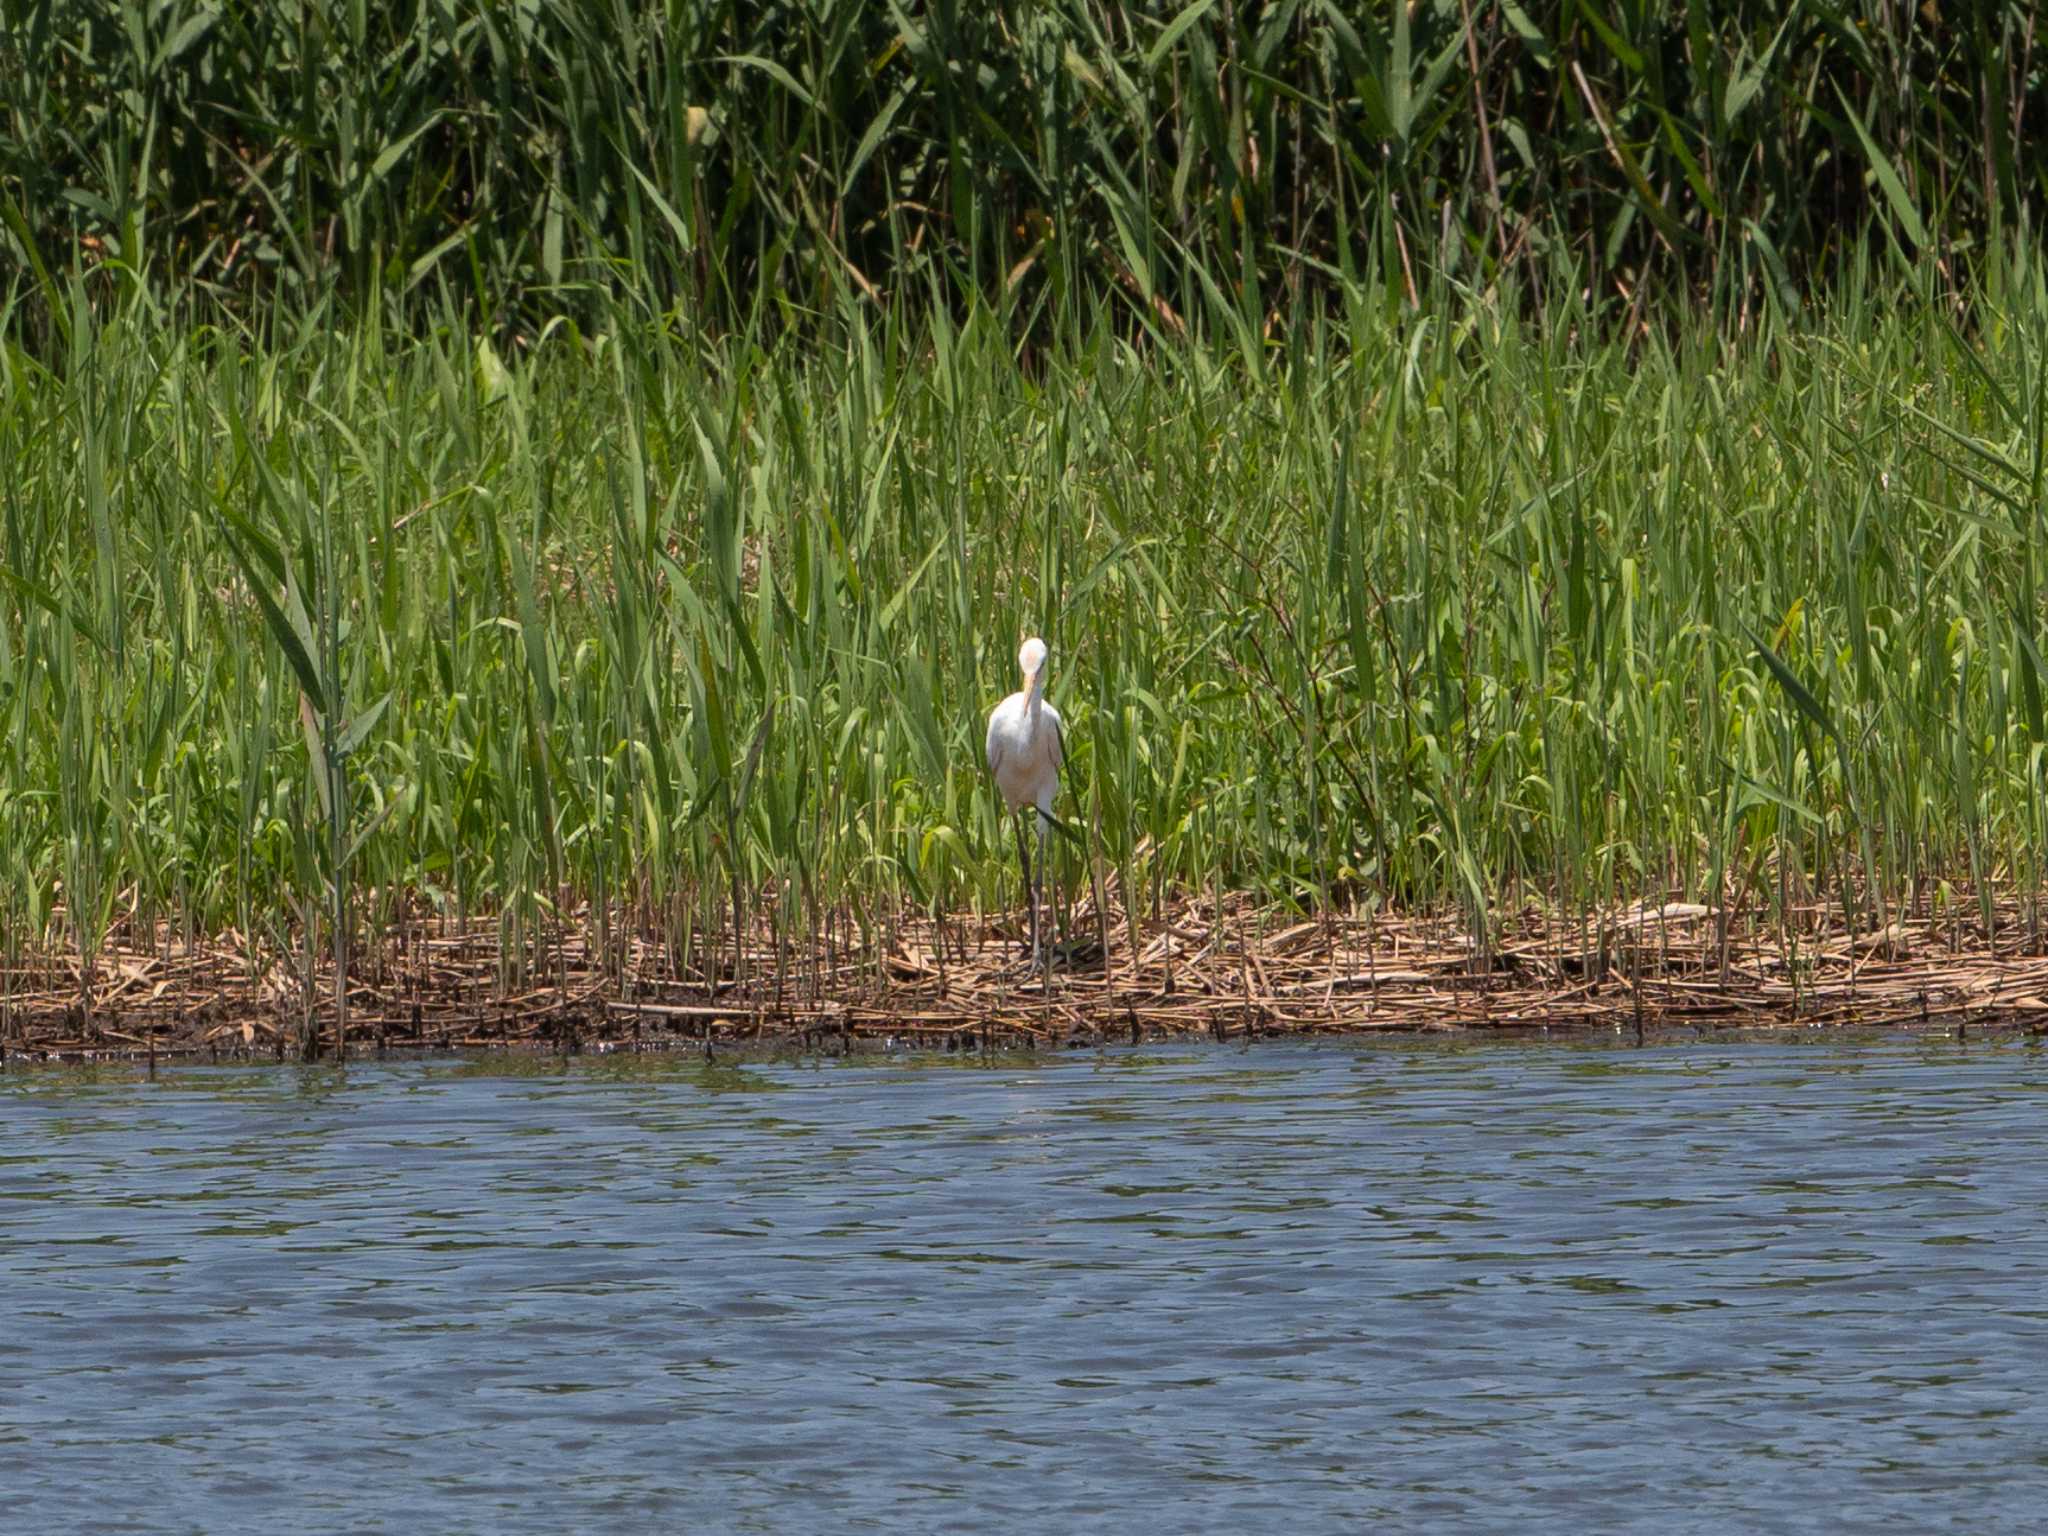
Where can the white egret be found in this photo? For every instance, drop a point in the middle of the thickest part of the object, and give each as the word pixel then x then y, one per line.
pixel 1024 752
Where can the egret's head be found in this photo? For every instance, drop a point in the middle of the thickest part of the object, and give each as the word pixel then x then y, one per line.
pixel 1031 659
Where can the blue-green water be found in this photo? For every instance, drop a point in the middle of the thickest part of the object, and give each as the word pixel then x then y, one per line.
pixel 1697 1288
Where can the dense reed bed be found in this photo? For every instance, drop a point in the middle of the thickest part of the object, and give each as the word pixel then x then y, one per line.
pixel 741 167
pixel 330 639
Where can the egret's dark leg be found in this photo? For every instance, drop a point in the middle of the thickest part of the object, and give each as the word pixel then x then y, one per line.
pixel 1024 859
pixel 1038 900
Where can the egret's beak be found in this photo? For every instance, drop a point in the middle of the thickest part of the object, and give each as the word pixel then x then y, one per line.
pixel 1031 677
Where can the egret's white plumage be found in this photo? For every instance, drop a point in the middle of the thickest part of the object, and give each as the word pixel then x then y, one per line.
pixel 1024 752
pixel 1024 738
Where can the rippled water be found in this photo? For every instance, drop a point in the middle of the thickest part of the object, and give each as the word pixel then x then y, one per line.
pixel 1704 1287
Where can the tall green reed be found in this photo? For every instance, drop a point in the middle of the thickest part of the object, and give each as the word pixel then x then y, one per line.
pixel 331 634
pixel 740 166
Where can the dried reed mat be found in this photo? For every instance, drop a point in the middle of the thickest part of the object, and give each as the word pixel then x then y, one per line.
pixel 1216 968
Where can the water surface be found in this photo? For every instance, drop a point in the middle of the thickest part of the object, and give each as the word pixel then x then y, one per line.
pixel 1703 1287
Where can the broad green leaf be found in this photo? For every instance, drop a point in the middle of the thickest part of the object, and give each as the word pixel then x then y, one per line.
pixel 1174 31
pixel 281 629
pixel 1801 697
pixel 1887 177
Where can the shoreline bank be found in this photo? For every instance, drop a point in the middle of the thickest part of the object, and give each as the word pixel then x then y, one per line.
pixel 1220 971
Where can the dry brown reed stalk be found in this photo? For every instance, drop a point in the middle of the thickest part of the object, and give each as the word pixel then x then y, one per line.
pixel 1221 968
